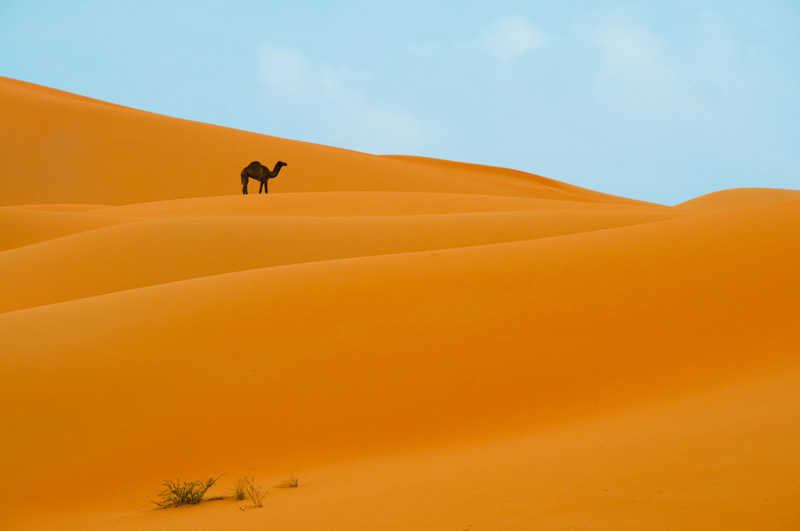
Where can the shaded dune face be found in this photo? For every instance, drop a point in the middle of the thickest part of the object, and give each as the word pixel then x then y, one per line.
pixel 428 344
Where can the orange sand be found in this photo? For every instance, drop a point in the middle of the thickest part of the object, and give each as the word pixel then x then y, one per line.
pixel 427 344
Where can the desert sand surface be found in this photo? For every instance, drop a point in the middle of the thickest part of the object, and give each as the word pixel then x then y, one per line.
pixel 427 344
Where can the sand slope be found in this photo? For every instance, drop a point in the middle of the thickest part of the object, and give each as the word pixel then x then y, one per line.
pixel 428 344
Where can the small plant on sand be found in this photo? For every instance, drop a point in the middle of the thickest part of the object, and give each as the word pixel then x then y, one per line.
pixel 180 492
pixel 253 492
pixel 290 483
pixel 239 489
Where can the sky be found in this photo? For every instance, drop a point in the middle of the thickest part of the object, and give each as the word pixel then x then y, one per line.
pixel 653 100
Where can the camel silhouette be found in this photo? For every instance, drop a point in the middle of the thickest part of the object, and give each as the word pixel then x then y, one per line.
pixel 259 172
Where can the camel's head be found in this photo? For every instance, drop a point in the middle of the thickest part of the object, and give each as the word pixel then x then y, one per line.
pixel 277 169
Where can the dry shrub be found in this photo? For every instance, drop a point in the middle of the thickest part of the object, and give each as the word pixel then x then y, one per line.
pixel 184 492
pixel 253 492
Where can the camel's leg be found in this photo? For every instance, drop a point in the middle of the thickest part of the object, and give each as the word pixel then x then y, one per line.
pixel 264 186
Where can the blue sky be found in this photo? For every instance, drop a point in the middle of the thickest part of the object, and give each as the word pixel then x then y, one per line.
pixel 655 100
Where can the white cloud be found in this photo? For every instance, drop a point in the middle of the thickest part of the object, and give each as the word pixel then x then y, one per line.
pixel 631 53
pixel 511 37
pixel 285 70
pixel 331 97
pixel 705 73
pixel 636 71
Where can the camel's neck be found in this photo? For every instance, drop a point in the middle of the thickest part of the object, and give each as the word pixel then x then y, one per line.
pixel 276 170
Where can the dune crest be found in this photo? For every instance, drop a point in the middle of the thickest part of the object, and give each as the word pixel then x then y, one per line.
pixel 739 198
pixel 429 344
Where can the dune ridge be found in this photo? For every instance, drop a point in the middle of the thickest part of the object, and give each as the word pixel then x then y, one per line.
pixel 176 249
pixel 428 344
pixel 739 198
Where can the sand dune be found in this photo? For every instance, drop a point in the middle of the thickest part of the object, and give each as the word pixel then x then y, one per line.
pixel 141 254
pixel 428 344
pixel 69 150
pixel 25 226
pixel 739 198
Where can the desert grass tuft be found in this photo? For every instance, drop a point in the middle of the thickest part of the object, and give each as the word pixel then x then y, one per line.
pixel 179 492
pixel 239 489
pixel 290 483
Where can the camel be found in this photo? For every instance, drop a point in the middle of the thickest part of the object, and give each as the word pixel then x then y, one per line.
pixel 259 172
